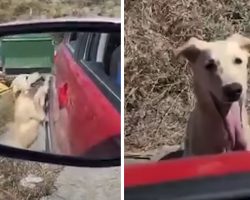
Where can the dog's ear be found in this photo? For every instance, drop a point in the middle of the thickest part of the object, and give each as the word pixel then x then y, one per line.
pixel 243 41
pixel 191 49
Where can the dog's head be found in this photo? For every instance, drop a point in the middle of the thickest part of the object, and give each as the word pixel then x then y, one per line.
pixel 38 82
pixel 26 82
pixel 220 67
pixel 20 84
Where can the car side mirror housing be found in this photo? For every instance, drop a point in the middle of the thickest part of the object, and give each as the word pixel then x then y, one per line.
pixel 69 128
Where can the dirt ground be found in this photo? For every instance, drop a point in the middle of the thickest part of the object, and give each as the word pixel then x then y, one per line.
pixel 158 90
pixel 11 170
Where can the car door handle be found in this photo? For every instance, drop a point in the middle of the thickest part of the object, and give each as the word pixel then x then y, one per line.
pixel 63 96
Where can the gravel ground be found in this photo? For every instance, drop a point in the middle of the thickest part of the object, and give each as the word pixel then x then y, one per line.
pixel 101 184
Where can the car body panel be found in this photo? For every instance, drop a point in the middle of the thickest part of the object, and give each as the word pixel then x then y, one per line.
pixel 87 123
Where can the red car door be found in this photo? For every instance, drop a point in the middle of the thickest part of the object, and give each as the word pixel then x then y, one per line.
pixel 59 107
pixel 88 122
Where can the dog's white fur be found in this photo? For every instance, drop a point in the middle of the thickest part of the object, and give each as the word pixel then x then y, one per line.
pixel 28 111
pixel 205 132
pixel 28 116
pixel 42 91
pixel 22 82
pixel 19 83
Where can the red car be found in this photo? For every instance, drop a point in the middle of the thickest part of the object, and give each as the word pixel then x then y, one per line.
pixel 225 176
pixel 84 108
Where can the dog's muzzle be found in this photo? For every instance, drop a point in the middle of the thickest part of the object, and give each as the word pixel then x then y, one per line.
pixel 232 92
pixel 38 82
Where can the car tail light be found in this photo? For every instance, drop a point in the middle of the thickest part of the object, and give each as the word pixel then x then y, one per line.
pixel 63 96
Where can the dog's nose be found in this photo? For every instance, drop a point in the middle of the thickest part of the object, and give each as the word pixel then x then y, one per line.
pixel 232 91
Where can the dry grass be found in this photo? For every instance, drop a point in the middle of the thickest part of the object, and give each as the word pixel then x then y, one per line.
pixel 15 170
pixel 30 9
pixel 158 89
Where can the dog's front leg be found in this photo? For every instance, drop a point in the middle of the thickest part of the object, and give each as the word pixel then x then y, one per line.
pixel 39 102
pixel 40 97
pixel 39 116
pixel 38 112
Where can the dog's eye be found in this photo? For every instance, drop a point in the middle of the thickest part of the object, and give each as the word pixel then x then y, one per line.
pixel 211 65
pixel 237 61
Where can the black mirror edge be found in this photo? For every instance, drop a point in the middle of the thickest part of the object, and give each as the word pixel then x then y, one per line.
pixel 59 26
pixel 23 154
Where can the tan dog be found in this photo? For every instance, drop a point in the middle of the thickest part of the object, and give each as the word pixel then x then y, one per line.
pixel 219 121
pixel 23 82
pixel 28 114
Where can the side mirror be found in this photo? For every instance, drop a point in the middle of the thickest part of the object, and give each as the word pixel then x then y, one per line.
pixel 60 91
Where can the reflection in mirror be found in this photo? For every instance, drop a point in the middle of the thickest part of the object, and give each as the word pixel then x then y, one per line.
pixel 60 93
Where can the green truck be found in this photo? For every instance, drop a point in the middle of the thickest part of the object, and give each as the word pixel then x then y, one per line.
pixel 27 53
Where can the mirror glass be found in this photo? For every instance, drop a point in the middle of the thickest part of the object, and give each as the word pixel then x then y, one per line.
pixel 60 93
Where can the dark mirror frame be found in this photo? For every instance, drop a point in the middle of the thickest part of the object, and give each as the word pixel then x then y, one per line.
pixel 59 25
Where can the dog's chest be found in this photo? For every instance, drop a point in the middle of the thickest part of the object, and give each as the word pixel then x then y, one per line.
pixel 208 135
pixel 24 107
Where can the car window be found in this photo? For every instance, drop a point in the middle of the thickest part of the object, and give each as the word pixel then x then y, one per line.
pixel 72 41
pixel 82 43
pixel 91 45
pixel 112 58
pixel 104 50
pixel 102 59
pixel 91 54
pixel 115 66
pixel 113 42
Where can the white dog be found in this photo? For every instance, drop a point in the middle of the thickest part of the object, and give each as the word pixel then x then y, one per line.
pixel 23 82
pixel 219 122
pixel 28 111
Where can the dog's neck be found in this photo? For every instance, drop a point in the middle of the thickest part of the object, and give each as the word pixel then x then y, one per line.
pixel 204 100
pixel 227 115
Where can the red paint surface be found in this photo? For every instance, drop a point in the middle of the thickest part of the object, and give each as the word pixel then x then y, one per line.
pixel 91 119
pixel 63 96
pixel 188 168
